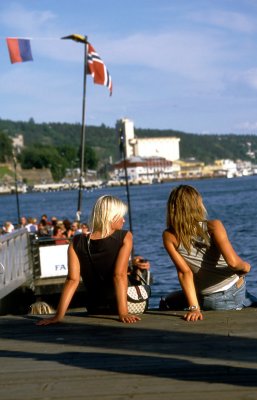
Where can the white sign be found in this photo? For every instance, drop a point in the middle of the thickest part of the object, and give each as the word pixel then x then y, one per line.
pixel 53 260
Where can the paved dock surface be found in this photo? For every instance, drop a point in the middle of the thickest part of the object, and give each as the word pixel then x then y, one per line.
pixel 162 357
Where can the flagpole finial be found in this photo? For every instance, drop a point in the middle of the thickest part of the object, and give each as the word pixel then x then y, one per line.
pixel 76 37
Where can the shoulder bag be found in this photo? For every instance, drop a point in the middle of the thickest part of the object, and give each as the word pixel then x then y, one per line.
pixel 138 294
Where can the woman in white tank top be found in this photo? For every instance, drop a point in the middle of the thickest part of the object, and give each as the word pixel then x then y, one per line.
pixel 210 272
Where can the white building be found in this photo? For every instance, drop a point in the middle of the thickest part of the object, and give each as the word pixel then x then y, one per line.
pixel 166 147
pixel 145 169
pixel 162 147
pixel 18 143
pixel 227 167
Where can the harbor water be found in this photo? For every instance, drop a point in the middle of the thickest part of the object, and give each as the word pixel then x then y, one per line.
pixel 231 200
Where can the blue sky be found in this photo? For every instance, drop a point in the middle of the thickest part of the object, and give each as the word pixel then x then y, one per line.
pixel 189 65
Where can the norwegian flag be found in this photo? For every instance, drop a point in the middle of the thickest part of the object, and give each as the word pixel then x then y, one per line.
pixel 97 69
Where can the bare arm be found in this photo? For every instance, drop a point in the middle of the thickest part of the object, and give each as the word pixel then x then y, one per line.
pixel 220 237
pixel 69 288
pixel 120 278
pixel 185 276
pixel 139 262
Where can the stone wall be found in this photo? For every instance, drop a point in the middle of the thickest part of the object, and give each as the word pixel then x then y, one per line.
pixel 31 176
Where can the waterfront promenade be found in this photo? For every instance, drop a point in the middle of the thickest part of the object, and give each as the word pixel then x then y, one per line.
pixel 162 357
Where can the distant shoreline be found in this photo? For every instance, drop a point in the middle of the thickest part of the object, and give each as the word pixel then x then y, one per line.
pixel 56 187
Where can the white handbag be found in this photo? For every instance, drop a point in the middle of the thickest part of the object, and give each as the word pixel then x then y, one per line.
pixel 138 297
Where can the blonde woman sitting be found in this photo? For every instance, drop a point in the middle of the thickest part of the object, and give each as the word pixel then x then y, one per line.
pixel 101 258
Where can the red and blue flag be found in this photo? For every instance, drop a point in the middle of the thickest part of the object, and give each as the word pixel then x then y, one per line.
pixel 19 50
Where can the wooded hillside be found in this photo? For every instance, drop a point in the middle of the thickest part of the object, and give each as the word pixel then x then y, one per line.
pixel 102 139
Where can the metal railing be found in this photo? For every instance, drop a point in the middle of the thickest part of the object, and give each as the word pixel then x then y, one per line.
pixel 16 266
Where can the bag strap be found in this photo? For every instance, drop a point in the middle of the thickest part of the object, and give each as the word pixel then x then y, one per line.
pixel 140 277
pixel 140 297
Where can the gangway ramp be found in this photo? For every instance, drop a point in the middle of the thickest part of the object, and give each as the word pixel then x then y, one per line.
pixel 16 264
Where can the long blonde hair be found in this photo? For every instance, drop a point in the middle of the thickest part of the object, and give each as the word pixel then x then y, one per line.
pixel 185 215
pixel 106 210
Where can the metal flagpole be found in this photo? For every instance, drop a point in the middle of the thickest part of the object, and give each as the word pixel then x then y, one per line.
pixel 81 39
pixel 83 131
pixel 16 188
pixel 123 157
pixel 103 78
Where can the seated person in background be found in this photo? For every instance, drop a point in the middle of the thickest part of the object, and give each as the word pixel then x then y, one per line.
pixel 85 228
pixel 42 229
pixel 23 222
pixel 210 272
pixel 46 222
pixel 8 227
pixel 74 229
pixel 67 224
pixel 54 222
pixel 32 225
pixel 101 259
pixel 59 236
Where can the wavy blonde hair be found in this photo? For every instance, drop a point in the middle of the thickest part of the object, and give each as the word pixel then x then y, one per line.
pixel 106 210
pixel 185 214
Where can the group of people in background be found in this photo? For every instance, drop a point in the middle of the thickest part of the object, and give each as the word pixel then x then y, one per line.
pixel 60 230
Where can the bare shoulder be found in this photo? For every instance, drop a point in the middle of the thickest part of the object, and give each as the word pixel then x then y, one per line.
pixel 169 237
pixel 71 252
pixel 70 247
pixel 128 237
pixel 215 225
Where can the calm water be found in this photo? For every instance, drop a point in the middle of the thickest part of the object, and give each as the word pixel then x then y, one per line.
pixel 231 200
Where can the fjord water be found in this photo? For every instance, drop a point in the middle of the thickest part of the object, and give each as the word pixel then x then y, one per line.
pixel 231 200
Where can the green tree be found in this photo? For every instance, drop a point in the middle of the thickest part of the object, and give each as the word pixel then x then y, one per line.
pixel 43 157
pixel 68 153
pixel 5 147
pixel 91 159
pixel 103 141
pixel 56 159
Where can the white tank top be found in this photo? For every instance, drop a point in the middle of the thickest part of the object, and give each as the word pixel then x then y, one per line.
pixel 211 272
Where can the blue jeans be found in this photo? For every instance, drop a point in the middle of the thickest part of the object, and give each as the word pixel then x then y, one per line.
pixel 235 298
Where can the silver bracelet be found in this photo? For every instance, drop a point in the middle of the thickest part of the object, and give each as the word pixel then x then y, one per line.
pixel 193 308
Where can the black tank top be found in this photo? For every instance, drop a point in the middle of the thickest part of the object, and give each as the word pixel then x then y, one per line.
pixel 97 275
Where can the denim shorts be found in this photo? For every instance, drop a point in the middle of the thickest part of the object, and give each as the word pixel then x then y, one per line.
pixel 234 298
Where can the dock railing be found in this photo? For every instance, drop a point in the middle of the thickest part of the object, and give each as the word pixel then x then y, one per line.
pixel 16 265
